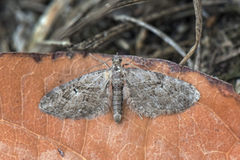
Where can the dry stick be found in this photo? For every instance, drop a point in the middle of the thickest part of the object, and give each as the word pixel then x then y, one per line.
pixel 73 18
pixel 43 26
pixel 94 42
pixel 212 60
pixel 140 39
pixel 63 32
pixel 35 6
pixel 63 43
pixel 104 36
pixel 80 22
pixel 100 38
pixel 78 12
pixel 127 3
pixel 198 57
pixel 162 35
pixel 198 28
pixel 232 54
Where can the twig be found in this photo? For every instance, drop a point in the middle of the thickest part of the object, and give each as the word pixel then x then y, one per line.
pixel 128 3
pixel 32 5
pixel 198 58
pixel 63 43
pixel 198 28
pixel 43 27
pixel 66 32
pixel 142 35
pixel 156 31
pixel 232 54
pixel 106 35
pixel 212 61
pixel 94 42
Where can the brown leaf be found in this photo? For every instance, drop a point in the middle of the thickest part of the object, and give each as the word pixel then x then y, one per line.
pixel 208 130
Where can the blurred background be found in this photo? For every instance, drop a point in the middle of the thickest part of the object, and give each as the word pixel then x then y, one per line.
pixel 45 26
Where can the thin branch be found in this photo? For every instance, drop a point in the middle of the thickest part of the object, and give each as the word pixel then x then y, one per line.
pixel 123 4
pixel 43 27
pixel 198 28
pixel 198 58
pixel 231 55
pixel 66 32
pixel 97 40
pixel 94 42
pixel 156 31
pixel 63 43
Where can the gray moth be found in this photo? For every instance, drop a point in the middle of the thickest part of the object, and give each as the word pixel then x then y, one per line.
pixel 147 93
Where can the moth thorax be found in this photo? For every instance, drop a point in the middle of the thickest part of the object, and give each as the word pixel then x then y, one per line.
pixel 116 68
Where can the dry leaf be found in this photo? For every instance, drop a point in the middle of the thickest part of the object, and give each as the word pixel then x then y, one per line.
pixel 208 130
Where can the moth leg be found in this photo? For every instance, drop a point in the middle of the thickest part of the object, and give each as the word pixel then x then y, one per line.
pixel 100 60
pixel 127 63
pixel 140 116
pixel 107 82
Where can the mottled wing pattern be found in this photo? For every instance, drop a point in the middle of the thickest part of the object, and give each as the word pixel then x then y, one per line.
pixel 151 94
pixel 88 96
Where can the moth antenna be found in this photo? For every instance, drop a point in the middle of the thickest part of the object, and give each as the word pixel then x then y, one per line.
pixel 100 60
pixel 129 63
pixel 94 66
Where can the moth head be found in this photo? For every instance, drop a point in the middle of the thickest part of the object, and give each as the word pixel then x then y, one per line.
pixel 117 60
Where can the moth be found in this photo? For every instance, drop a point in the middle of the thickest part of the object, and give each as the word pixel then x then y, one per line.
pixel 147 93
